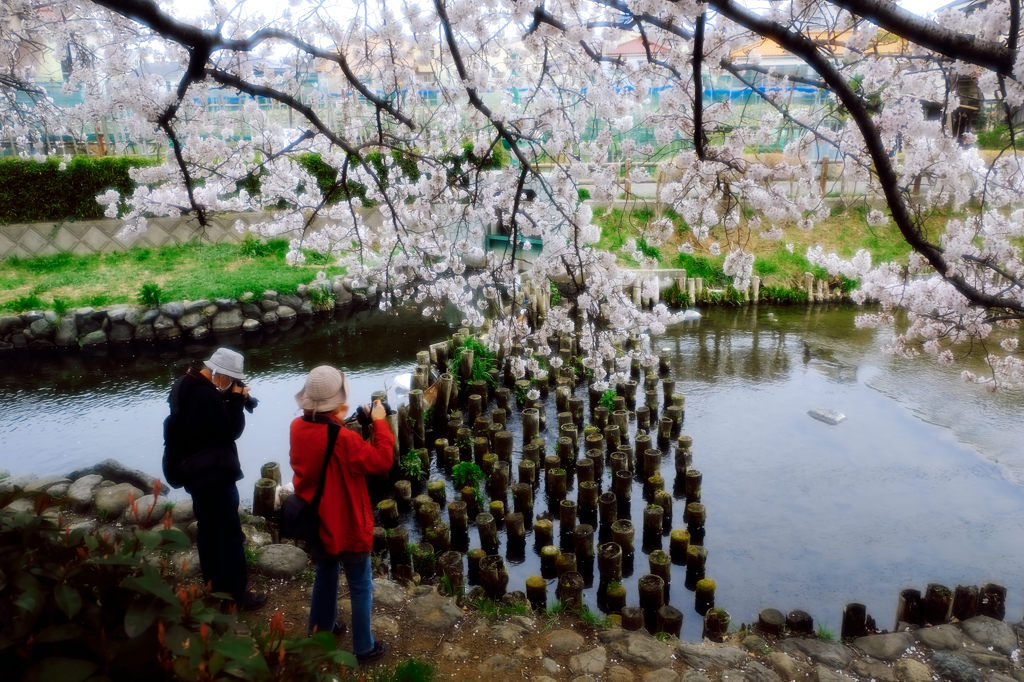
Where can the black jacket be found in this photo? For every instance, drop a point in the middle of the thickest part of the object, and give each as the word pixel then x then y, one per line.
pixel 206 425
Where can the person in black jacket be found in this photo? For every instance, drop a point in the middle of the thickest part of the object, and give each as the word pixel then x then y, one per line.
pixel 200 453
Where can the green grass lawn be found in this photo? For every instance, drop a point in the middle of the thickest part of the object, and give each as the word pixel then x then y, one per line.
pixel 188 271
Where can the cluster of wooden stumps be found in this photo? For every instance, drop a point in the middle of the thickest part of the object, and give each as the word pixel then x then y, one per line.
pixel 569 476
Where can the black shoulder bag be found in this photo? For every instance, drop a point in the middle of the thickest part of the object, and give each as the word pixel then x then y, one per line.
pixel 300 520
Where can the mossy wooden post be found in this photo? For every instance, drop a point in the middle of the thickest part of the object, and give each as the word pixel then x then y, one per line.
pixel 693 479
pixel 601 414
pixel 623 534
pixel 499 416
pixel 555 481
pixel 670 620
pixel 436 490
pixel 503 442
pixel 398 542
pixel 583 544
pixel 622 486
pixel 439 445
pixel 264 497
pixel 439 536
pixel 522 497
pixel 452 455
pixel 661 565
pixel 543 532
pixel 576 410
pixel 474 407
pixel 458 517
pixel 473 558
pixel 716 625
pixel 464 439
pixel 612 437
pixel 387 512
pixel 992 601
pixel 565 562
pixel 502 397
pixel 531 423
pixel 562 394
pixel 527 472
pixel 678 543
pixel 499 481
pixel 569 431
pixel 651 460
pixel 696 561
pixel 632 618
pixel 651 403
pixel 799 622
pixel 908 609
pixel 587 499
pixel 271 470
pixel 608 509
pixel 496 508
pixel 450 565
pixel 423 561
pixel 663 499
pixel 482 427
pixel 564 451
pixel 380 540
pixel 585 472
pixel 428 513
pixel 537 592
pixel 617 461
pixel 652 597
pixel 403 492
pixel 675 413
pixel 566 517
pixel 515 527
pixel 480 448
pixel 630 394
pixel 609 562
pixel 664 431
pixel 494 576
pixel 938 601
pixel 770 622
pixel 570 589
pixel 548 558
pixel 652 486
pixel 654 517
pixel 465 368
pixel 488 531
pixel 615 599
pixel 417 422
pixel 704 595
pixel 695 515
pixel 854 621
pixel 403 574
pixel 621 419
pixel 643 418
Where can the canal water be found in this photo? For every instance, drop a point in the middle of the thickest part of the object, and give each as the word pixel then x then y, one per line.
pixel 922 482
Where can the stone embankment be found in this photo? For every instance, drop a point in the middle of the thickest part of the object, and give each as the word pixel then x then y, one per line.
pixel 178 320
pixel 111 499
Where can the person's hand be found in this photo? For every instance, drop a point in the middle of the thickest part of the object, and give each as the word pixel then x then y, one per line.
pixel 378 411
pixel 243 390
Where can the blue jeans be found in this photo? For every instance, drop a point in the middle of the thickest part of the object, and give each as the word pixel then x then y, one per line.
pixel 324 609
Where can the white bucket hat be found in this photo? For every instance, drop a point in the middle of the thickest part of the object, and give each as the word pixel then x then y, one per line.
pixel 326 390
pixel 227 362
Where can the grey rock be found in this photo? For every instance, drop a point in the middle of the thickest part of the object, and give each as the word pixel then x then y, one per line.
pixel 173 310
pixel 41 344
pixel 618 673
pixel 251 325
pixel 787 666
pixel 10 324
pixel 756 671
pixel 41 328
pixel 524 622
pixel 508 633
pixel 182 512
pixel 118 312
pixel 285 312
pixel 145 332
pixel 30 316
pixel 50 316
pixel 641 649
pixel 190 321
pixel 196 306
pixel 59 491
pixel 827 674
pixel 254 537
pixel 168 334
pixel 756 644
pixel 955 667
pixel 591 662
pixel 695 676
pixel 550 666
pixel 96 338
pixel 66 334
pixel 941 637
pixel 453 652
pixel 89 320
pixel 545 678
pixel 80 494
pixel 872 669
pixel 499 664
pixel 186 564
pixel 564 642
pixel 887 647
pixel 20 506
pixel 997 677
pixel 912 670
pixel 830 654
pixel 985 658
pixel 388 592
pixel 147 511
pixel 251 310
pixel 121 332
pixel 111 501
pixel 269 304
pixel 289 300
pixel 342 295
pixel 529 652
pixel 435 612
pixel 19 341
pixel 990 632
pixel 225 303
pixel 707 656
pixel 662 675
pixel 228 320
pixel 149 316
pixel 86 526
pixel 199 333
pixel 112 470
pixel 281 561
pixel 133 316
pixel 270 293
pixel 831 417
pixel 269 318
pixel 43 483
pixel 163 323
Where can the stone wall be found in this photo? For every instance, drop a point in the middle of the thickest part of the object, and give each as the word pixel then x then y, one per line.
pixel 177 320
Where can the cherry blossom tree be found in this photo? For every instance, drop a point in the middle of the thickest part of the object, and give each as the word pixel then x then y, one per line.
pixel 420 99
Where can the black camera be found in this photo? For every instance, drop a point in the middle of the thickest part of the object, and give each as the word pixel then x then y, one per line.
pixel 251 402
pixel 362 415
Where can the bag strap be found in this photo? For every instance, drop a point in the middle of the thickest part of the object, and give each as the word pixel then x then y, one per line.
pixel 333 429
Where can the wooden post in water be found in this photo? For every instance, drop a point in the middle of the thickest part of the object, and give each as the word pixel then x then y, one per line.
pixel 570 589
pixel 800 622
pixel 704 595
pixel 607 506
pixel 854 621
pixel 908 610
pixel 678 543
pixel 992 601
pixel 264 497
pixel 670 620
pixel 537 592
pixel 938 601
pixel 632 617
pixel 652 597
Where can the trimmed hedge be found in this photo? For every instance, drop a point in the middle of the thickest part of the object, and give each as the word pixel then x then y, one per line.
pixel 33 191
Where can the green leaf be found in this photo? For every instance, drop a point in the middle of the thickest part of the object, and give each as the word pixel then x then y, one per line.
pixel 242 658
pixel 178 639
pixel 175 540
pixel 30 600
pixel 63 669
pixel 150 582
pixel 68 600
pixel 59 633
pixel 149 539
pixel 138 618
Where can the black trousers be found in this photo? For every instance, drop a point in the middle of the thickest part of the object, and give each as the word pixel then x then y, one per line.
pixel 221 541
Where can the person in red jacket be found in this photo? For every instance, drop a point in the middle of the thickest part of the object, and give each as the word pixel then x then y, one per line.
pixel 346 514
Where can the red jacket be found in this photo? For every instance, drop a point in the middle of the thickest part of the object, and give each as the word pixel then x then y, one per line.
pixel 346 515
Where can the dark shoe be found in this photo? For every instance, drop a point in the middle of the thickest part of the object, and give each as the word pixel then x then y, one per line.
pixel 339 628
pixel 374 654
pixel 251 600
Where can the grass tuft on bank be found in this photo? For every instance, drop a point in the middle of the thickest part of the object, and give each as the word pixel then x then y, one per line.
pixel 190 271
